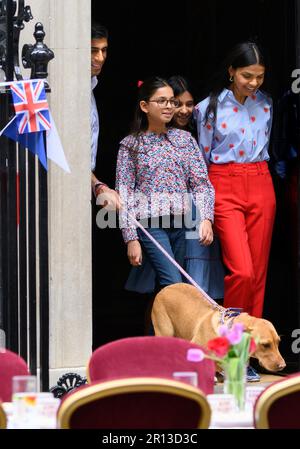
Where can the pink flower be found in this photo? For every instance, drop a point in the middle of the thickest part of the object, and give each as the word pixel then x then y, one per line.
pixel 235 335
pixel 223 330
pixel 195 355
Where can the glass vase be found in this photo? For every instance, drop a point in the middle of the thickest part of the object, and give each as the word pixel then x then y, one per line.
pixel 235 381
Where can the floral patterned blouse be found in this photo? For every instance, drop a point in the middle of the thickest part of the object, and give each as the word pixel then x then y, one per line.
pixel 156 173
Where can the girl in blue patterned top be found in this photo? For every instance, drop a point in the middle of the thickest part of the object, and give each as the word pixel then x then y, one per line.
pixel 234 125
pixel 158 167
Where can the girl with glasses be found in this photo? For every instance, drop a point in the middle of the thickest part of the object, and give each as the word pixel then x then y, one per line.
pixel 158 167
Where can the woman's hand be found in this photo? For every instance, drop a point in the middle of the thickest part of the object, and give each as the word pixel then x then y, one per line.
pixel 134 253
pixel 206 234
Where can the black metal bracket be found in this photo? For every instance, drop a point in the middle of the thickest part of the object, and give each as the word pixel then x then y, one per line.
pixel 23 15
pixel 67 383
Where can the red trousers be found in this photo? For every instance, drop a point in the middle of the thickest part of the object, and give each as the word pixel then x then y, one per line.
pixel 244 216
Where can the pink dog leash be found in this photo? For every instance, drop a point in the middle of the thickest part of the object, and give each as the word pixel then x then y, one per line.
pixel 182 271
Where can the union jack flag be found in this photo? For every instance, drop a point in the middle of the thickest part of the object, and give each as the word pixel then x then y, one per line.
pixel 31 106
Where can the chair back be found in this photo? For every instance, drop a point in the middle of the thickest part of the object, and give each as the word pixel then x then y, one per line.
pixel 135 403
pixel 278 406
pixel 11 364
pixel 148 357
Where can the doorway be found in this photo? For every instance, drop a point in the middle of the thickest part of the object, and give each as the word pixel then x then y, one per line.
pixel 188 40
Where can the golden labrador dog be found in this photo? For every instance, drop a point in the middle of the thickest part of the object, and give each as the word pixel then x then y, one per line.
pixel 180 310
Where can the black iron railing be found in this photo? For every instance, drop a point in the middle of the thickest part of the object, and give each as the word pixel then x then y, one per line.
pixel 23 203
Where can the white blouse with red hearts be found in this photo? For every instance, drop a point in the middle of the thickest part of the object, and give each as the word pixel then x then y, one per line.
pixel 241 132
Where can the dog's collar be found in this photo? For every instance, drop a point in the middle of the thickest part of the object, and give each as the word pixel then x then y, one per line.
pixel 228 315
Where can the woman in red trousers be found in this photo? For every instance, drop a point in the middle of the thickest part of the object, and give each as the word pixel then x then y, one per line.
pixel 234 125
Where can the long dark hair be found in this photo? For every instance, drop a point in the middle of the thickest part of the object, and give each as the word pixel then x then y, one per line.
pixel 180 85
pixel 241 55
pixel 146 90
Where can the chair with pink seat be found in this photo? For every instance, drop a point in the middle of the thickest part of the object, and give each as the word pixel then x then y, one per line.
pixel 148 356
pixel 11 364
pixel 135 403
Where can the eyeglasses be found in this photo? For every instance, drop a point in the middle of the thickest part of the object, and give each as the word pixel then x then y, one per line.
pixel 163 102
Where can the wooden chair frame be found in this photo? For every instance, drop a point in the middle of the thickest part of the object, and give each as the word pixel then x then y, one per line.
pixel 3 421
